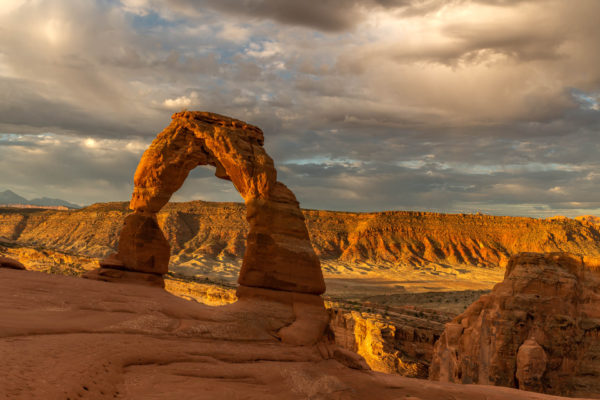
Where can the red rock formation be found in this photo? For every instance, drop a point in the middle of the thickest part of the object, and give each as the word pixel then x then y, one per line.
pixel 6 262
pixel 537 330
pixel 280 265
pixel 532 363
pixel 69 338
pixel 398 344
pixel 278 253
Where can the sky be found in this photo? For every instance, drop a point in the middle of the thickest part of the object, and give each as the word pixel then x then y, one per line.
pixel 488 106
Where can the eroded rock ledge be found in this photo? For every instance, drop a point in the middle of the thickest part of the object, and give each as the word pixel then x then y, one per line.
pixel 10 263
pixel 537 330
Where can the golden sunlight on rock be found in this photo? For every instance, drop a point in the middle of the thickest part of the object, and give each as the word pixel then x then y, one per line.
pixel 537 330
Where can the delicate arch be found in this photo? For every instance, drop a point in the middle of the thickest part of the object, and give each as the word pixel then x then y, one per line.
pixel 278 254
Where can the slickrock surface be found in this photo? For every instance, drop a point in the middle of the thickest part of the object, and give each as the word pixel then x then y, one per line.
pixel 70 338
pixel 394 334
pixel 402 327
pixel 537 330
pixel 278 252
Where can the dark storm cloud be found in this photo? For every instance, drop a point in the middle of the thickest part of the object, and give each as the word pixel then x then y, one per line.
pixel 324 15
pixel 438 189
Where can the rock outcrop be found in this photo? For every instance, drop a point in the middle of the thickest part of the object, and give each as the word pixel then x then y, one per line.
pixel 10 263
pixel 279 267
pixel 69 338
pixel 278 253
pixel 398 343
pixel 537 330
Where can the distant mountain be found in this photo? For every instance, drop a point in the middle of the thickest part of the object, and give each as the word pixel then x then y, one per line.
pixel 9 197
pixel 47 201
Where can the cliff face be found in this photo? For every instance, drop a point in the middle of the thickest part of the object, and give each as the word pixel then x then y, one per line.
pixel 398 344
pixel 216 232
pixel 538 330
pixel 92 231
pixel 419 238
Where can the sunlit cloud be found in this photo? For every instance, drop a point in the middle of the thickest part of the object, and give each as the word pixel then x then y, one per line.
pixel 181 102
pixel 55 31
pixel 7 6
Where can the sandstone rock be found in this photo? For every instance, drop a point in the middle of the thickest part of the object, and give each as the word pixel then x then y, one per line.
pixel 201 291
pixel 531 366
pixel 278 252
pixel 69 338
pixel 123 276
pixel 399 344
pixel 539 330
pixel 589 219
pixel 6 262
pixel 143 247
pixel 310 316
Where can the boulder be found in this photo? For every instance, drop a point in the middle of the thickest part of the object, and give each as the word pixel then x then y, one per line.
pixel 10 263
pixel 531 365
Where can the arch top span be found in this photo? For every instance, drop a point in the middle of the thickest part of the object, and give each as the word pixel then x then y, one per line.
pixel 278 254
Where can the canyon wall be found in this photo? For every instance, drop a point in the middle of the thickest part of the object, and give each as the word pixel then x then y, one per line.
pixel 217 231
pixel 400 343
pixel 538 330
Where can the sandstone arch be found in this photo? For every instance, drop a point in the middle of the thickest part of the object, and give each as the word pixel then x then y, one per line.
pixel 278 254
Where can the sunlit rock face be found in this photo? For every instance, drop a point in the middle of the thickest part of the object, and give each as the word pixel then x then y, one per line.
pixel 209 232
pixel 538 330
pixel 401 345
pixel 278 251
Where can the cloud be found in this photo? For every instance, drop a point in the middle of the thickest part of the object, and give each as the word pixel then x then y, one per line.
pixel 182 102
pixel 428 104
pixel 84 170
pixel 324 15
pixel 234 33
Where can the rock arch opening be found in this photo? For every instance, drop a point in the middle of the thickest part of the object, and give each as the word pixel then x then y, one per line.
pixel 278 256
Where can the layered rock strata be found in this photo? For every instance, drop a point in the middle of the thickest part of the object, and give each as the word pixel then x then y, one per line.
pixel 278 252
pixel 397 343
pixel 206 232
pixel 537 330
